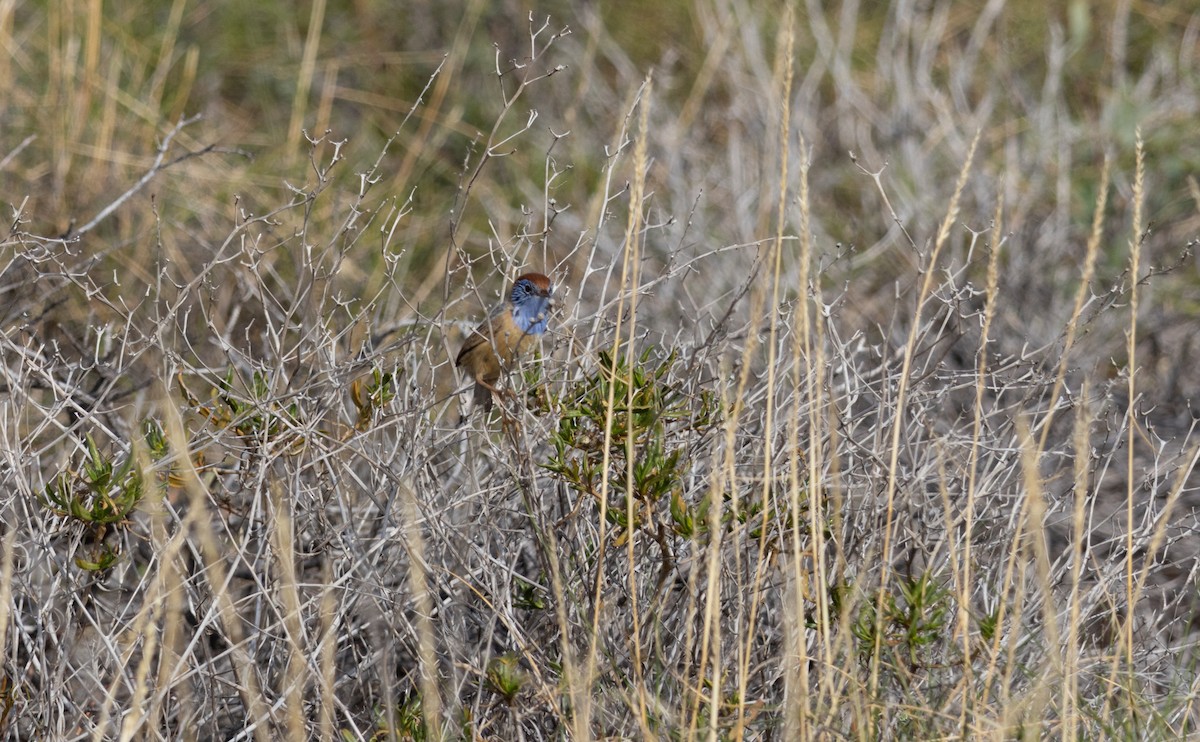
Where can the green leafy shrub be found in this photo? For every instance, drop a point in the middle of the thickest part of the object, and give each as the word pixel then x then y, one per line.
pixel 651 429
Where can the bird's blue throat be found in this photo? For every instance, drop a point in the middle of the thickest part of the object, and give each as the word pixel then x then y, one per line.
pixel 530 312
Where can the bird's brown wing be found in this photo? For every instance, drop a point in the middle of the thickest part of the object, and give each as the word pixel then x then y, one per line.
pixel 473 341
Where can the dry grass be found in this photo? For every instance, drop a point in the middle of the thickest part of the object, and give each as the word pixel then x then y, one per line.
pixel 867 415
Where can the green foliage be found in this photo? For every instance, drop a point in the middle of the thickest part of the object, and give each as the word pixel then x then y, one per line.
pixel 922 614
pixel 648 420
pixel 988 623
pixel 257 417
pixel 371 396
pixel 526 595
pixel 914 621
pixel 101 494
pixel 505 676
pixel 248 417
pixel 409 723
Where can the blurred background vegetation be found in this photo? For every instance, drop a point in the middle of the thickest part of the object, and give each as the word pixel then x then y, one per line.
pixel 89 89
pixel 97 84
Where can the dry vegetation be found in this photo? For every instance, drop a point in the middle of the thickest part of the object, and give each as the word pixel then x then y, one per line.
pixel 867 415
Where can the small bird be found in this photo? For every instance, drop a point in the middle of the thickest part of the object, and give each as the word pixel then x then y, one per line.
pixel 507 332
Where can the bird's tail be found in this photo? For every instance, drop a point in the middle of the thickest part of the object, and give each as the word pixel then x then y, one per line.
pixel 481 399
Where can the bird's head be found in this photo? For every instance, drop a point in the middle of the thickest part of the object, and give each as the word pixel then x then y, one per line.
pixel 532 298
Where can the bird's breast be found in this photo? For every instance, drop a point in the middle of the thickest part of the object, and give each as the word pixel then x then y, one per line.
pixel 510 342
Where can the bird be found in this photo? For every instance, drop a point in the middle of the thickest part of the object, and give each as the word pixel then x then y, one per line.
pixel 508 331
